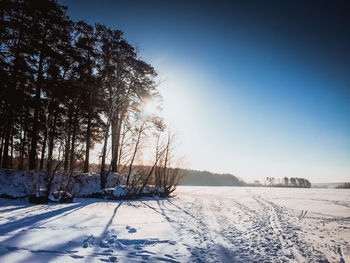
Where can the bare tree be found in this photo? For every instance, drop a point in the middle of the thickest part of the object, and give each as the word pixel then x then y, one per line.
pixel 168 172
pixel 138 132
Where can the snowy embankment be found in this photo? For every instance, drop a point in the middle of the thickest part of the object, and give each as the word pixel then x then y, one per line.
pixel 19 184
pixel 199 224
pixel 23 183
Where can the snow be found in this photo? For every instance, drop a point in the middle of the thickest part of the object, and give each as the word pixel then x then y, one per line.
pixel 21 183
pixel 198 224
pixel 119 191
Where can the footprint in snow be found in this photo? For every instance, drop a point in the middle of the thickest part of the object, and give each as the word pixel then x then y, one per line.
pixel 88 241
pixel 104 244
pixel 110 259
pixel 131 229
pixel 76 256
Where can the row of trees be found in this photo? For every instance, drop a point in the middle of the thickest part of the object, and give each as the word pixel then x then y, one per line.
pixel 345 185
pixel 287 182
pixel 66 86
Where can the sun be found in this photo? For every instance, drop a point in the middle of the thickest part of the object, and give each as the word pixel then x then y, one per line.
pixel 150 108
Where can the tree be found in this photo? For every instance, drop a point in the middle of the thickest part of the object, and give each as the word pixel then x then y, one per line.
pixel 66 86
pixel 285 181
pixel 345 185
pixel 168 173
pixel 293 181
pixel 16 71
pixel 49 28
pixel 126 80
pixel 85 46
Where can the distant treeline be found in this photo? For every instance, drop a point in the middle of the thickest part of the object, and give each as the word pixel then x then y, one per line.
pixel 205 178
pixel 344 186
pixel 287 182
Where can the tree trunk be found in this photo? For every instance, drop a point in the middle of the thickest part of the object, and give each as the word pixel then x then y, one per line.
pixel 121 147
pixel 134 153
pixel 166 160
pixel 6 149
pixel 103 180
pixel 72 152
pixel 5 157
pixel 88 135
pixel 43 149
pixel 67 146
pixel 51 144
pixel 116 160
pixel 34 141
pixel 1 148
pixel 114 144
pixel 103 162
pixel 11 158
pixel 22 151
pixel 8 128
pixel 66 154
pixel 116 130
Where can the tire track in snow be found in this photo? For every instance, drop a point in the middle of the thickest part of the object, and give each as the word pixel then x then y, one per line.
pixel 235 232
pixel 248 229
pixel 208 244
pixel 222 247
pixel 254 241
pixel 299 248
pixel 280 233
pixel 258 239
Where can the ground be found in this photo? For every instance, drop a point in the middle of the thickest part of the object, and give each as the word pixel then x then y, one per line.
pixel 198 224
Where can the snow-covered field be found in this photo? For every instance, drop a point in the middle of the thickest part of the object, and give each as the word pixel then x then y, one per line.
pixel 199 224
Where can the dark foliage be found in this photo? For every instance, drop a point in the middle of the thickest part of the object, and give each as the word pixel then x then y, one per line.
pixel 205 178
pixel 287 182
pixel 64 86
pixel 344 186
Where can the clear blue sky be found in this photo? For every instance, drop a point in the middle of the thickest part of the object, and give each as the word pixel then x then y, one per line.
pixel 254 88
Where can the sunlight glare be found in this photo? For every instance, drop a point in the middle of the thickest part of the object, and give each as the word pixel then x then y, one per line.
pixel 151 108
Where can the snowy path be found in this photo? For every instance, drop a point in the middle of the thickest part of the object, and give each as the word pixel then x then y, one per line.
pixel 200 224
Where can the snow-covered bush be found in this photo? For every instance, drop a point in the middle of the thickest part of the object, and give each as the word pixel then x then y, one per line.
pixel 61 197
